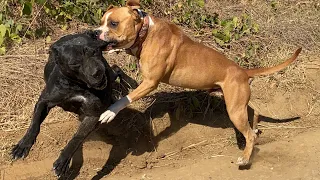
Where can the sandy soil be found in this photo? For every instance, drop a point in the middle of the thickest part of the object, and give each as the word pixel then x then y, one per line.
pixel 181 147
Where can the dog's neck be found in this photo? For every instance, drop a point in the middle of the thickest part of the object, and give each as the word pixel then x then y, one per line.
pixel 135 49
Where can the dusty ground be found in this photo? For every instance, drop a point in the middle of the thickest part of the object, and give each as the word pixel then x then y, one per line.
pixel 158 137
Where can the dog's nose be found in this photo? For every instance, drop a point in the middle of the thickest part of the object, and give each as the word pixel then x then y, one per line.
pixel 97 33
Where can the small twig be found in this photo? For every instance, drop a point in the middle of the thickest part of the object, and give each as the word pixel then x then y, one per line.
pixel 163 165
pixel 34 19
pixel 47 134
pixel 287 127
pixel 254 107
pixel 173 100
pixel 150 104
pixel 207 108
pixel 220 155
pixel 263 125
pixel 312 66
pixel 303 2
pixel 193 145
pixel 184 148
pixel 310 111
pixel 21 55
pixel 25 73
pixel 271 112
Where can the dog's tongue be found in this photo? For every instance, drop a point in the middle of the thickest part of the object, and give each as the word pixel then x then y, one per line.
pixel 101 36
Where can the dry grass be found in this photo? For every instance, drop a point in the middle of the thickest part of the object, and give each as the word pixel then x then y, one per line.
pixel 21 81
pixel 294 24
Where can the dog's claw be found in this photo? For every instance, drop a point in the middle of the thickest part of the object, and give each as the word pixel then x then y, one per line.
pixel 242 161
pixel 20 151
pixel 61 166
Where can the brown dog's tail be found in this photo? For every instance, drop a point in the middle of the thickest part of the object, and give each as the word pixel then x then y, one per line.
pixel 269 70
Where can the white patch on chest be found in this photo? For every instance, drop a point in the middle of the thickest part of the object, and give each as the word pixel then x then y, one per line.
pixel 151 23
pixel 79 98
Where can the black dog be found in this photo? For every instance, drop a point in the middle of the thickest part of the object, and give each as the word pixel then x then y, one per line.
pixel 79 80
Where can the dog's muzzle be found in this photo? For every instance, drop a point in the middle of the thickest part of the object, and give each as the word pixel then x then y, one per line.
pixel 103 36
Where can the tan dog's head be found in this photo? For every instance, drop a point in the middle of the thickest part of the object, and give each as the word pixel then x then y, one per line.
pixel 119 25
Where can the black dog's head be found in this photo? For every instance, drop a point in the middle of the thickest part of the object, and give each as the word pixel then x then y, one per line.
pixel 79 57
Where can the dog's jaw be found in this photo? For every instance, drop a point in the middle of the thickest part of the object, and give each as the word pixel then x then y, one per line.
pixel 109 47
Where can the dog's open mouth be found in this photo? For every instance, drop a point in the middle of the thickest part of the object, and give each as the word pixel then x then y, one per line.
pixel 110 45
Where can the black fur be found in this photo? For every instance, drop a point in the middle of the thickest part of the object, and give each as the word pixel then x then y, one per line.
pixel 79 80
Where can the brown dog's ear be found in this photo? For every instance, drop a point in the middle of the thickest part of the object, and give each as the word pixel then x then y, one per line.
pixel 110 7
pixel 134 4
pixel 136 15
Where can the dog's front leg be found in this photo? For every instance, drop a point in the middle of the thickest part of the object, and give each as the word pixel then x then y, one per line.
pixel 41 110
pixel 142 90
pixel 153 69
pixel 124 78
pixel 61 165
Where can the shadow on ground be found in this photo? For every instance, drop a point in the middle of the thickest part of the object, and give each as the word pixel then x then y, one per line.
pixel 131 131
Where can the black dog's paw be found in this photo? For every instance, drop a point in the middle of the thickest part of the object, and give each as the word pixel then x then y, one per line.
pixel 61 166
pixel 129 83
pixel 21 150
pixel 134 84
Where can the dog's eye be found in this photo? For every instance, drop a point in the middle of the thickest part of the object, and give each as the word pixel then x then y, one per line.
pixel 113 24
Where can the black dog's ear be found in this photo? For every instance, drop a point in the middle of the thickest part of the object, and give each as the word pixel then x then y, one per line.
pixel 54 52
pixel 91 34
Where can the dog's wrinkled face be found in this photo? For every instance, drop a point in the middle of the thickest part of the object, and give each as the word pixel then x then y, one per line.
pixel 83 64
pixel 119 26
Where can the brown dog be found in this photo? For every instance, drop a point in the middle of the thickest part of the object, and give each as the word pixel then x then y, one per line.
pixel 168 55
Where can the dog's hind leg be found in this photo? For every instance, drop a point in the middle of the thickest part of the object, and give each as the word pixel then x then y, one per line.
pixel 61 165
pixel 255 122
pixel 41 110
pixel 236 95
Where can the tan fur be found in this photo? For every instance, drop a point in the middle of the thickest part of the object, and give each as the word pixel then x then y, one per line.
pixel 169 56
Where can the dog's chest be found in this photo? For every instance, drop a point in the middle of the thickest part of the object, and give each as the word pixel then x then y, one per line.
pixel 78 98
pixel 75 103
pixel 87 103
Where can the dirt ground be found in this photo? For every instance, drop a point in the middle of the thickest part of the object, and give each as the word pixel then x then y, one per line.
pixel 157 137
